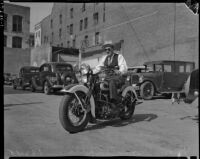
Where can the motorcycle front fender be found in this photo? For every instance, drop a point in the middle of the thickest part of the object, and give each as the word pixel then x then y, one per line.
pixel 73 88
pixel 129 88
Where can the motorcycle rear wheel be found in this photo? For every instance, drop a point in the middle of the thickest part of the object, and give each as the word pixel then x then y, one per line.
pixel 66 112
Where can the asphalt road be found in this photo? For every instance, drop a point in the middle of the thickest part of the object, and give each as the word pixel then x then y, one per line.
pixel 157 128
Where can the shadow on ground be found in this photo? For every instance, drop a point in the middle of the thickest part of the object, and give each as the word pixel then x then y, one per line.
pixel 118 122
pixel 195 118
pixel 11 105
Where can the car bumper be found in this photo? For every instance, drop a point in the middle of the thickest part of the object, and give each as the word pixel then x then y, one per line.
pixel 57 86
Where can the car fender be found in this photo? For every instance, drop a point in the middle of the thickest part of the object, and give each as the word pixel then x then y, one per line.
pixel 72 88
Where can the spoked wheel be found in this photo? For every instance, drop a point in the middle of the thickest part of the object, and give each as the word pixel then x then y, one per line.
pixel 129 103
pixel 72 114
pixel 147 90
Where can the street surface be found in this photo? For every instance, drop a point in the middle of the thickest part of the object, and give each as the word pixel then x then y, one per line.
pixel 157 128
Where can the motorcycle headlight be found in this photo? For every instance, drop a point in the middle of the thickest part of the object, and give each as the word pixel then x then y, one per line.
pixel 141 78
pixel 84 79
pixel 52 79
pixel 84 69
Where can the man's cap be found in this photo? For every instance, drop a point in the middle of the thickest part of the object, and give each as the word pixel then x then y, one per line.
pixel 108 44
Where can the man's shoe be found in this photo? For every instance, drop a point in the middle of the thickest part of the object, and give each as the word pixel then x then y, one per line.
pixel 93 120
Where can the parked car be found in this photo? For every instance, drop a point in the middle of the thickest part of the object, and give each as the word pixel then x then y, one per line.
pixel 7 78
pixel 162 77
pixel 53 76
pixel 25 75
pixel 137 69
pixel 192 87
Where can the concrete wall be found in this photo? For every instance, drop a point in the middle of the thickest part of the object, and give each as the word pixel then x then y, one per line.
pixel 14 59
pixel 40 55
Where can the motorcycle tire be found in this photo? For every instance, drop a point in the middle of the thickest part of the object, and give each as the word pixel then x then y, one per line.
pixel 64 117
pixel 130 110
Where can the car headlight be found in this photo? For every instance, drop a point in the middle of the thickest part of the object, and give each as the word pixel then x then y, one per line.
pixel 128 78
pixel 196 93
pixel 68 79
pixel 141 78
pixel 84 79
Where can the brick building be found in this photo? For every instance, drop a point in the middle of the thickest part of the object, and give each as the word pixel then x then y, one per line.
pixel 17 37
pixel 144 31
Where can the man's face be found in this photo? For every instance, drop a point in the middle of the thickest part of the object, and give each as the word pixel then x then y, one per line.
pixel 109 50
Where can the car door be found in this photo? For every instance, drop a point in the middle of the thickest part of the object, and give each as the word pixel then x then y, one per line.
pixel 158 76
pixel 174 77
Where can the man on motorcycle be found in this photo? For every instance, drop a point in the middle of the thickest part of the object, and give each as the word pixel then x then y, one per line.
pixel 112 59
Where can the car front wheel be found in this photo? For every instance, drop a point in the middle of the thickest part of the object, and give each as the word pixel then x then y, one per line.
pixel 47 89
pixel 147 90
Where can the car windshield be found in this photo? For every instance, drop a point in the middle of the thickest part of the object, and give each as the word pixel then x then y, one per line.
pixel 32 70
pixel 62 68
pixel 149 68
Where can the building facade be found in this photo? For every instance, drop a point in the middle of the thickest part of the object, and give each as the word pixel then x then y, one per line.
pixel 147 31
pixel 17 37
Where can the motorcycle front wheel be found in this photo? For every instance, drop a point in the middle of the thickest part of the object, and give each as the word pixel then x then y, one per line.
pixel 73 117
pixel 129 103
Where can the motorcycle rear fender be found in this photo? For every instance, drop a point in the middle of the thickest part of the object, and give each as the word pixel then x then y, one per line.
pixel 129 88
pixel 72 88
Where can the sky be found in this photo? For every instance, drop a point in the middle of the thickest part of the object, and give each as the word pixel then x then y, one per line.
pixel 38 11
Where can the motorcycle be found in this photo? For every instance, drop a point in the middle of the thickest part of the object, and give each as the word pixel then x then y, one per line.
pixel 90 99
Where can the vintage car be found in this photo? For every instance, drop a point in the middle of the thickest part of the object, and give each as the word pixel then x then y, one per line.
pixel 161 77
pixel 53 76
pixel 192 87
pixel 24 78
pixel 7 78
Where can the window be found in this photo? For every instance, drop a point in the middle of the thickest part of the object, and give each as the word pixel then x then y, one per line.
pixel 81 25
pixel 83 7
pixel 60 33
pixel 39 34
pixel 5 21
pixel 52 36
pixel 5 41
pixel 158 68
pixel 68 44
pixel 85 23
pixel 189 67
pixel 74 43
pixel 86 40
pixel 51 23
pixel 68 29
pixel 96 38
pixel 71 13
pixel 17 42
pixel 17 23
pixel 181 68
pixel 60 18
pixel 71 29
pixel 167 68
pixel 96 18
